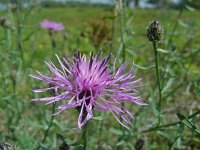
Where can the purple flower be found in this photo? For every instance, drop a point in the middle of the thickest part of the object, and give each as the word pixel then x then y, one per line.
pixel 51 25
pixel 90 84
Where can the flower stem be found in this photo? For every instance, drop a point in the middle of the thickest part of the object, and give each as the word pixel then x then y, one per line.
pixel 19 31
pixel 122 31
pixel 158 79
pixel 123 49
pixel 53 42
pixel 84 137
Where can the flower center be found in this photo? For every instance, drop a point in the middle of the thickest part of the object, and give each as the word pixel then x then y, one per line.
pixel 87 96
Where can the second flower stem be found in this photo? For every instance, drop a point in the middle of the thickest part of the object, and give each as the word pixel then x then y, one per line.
pixel 158 79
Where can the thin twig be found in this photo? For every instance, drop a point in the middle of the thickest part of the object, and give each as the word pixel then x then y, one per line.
pixel 171 124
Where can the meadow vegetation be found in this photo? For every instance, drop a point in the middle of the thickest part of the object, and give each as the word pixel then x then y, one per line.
pixel 24 47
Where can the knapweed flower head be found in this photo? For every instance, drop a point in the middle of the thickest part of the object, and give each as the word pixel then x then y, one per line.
pixel 88 84
pixel 51 25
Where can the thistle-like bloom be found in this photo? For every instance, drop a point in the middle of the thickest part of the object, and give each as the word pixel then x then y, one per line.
pixel 89 84
pixel 51 25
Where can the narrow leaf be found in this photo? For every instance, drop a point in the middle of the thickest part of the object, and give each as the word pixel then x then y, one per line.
pixel 144 68
pixel 169 83
pixel 189 8
pixel 185 121
pixel 163 50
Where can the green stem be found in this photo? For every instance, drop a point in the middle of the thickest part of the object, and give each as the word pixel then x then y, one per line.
pixel 122 37
pixel 19 31
pixel 158 79
pixel 175 26
pixel 171 124
pixel 53 42
pixel 159 127
pixel 113 30
pixel 84 137
pixel 123 49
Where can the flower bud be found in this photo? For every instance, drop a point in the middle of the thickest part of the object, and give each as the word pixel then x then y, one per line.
pixel 154 31
pixel 5 23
